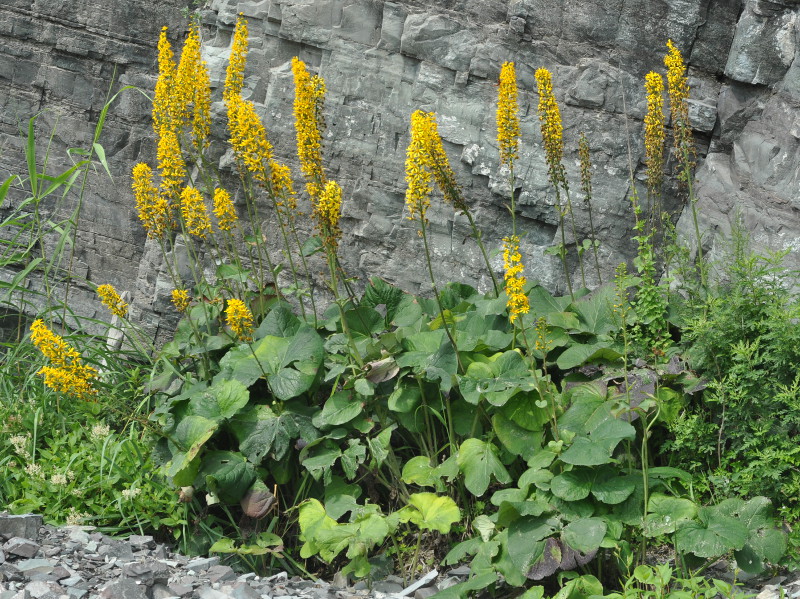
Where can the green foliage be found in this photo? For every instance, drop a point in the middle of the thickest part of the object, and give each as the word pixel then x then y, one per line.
pixel 744 337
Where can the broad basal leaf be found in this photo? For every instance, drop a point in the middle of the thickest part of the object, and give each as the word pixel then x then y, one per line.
pixel 479 462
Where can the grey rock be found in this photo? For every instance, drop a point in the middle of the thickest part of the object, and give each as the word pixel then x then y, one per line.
pixel 21 546
pixel 30 567
pixel 25 526
pixel 124 588
pixel 425 592
pixel 139 542
pixel 202 563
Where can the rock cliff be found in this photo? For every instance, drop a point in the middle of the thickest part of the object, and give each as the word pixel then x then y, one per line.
pixel 384 59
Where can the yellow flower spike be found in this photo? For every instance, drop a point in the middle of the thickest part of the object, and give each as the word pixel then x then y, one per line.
pixel 194 213
pixel 180 299
pixel 508 114
pixel 418 177
pixel 67 374
pixel 152 207
pixel 436 161
pixel 239 319
pixel 678 89
pixel 654 134
pixel 515 281
pixel 53 346
pixel 249 140
pixel 170 165
pixel 193 89
pixel 234 76
pixel 552 130
pixel 283 188
pixel 309 97
pixel 327 212
pixel 224 210
pixel 67 382
pixel 164 102
pixel 112 300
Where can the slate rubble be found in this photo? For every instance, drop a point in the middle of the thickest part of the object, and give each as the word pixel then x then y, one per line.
pixel 40 561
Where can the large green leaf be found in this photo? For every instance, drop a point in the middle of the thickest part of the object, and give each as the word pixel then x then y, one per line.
pixel 228 474
pixel 516 439
pixel 479 461
pixel 418 471
pixel 714 535
pixel 542 302
pixel 261 431
pixel 584 535
pixel 186 442
pixel 221 401
pixel 340 408
pixel 612 489
pixel 380 292
pixel 290 363
pixel 603 428
pixel 765 541
pixel 497 380
pixel 481 333
pixel 596 311
pixel 666 513
pixel 434 512
pixel 573 485
pixel 580 353
pixel 526 540
pixel 280 322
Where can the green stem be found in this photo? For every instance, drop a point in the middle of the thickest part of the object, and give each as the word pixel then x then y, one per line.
pixel 335 288
pixel 477 235
pixel 436 295
pixel 575 236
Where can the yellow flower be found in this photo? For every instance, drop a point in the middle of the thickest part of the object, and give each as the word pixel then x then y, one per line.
pixel 112 300
pixel 224 210
pixel 678 89
pixel 68 374
pixel 193 89
pixel 654 132
pixel 283 188
pixel 194 213
pixel 152 207
pixel 309 97
pixel 327 212
pixel 180 299
pixel 552 130
pixel 239 319
pixel 508 114
pixel 170 165
pixel 418 177
pixel 165 104
pixel 53 346
pixel 249 140
pixel 515 281
pixel 436 161
pixel 234 76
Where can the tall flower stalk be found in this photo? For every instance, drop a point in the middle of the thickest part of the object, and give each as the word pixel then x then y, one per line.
pixel 678 90
pixel 435 158
pixel 508 129
pixel 418 190
pixel 586 186
pixel 654 135
pixel 552 137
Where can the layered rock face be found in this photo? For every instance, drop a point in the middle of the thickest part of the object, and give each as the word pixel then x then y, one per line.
pixel 384 59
